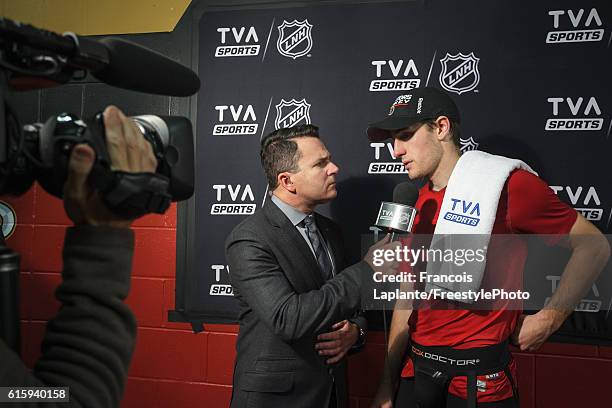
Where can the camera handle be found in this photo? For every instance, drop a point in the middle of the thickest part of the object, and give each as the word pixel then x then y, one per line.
pixel 9 297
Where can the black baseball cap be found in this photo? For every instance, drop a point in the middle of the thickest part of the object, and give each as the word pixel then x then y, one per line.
pixel 418 105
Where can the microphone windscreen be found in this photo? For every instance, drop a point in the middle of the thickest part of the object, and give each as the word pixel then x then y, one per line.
pixel 138 68
pixel 405 193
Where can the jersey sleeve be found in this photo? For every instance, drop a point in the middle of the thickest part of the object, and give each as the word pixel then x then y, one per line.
pixel 533 208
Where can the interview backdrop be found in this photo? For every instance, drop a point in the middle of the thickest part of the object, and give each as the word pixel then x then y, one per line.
pixel 531 79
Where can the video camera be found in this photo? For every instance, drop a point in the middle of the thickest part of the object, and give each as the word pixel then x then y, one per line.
pixel 31 58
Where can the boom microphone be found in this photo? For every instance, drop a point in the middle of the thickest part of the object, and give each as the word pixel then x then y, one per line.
pixel 114 61
pixel 398 216
pixel 132 66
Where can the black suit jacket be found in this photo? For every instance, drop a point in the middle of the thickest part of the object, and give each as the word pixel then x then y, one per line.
pixel 284 304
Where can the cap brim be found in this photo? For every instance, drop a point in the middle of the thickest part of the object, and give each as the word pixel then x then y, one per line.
pixel 379 131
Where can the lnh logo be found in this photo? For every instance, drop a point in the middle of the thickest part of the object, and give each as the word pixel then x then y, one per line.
pixel 469 212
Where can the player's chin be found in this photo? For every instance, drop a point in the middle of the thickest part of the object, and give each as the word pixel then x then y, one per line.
pixel 413 174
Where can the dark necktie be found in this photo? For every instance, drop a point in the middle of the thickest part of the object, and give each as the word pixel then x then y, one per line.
pixel 319 250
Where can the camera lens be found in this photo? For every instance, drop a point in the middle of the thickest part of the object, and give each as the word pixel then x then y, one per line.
pixel 156 131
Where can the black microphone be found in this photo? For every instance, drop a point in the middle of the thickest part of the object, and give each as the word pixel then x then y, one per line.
pixel 398 216
pixel 406 193
pixel 132 66
pixel 114 61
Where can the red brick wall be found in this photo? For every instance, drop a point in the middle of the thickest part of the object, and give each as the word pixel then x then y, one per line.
pixel 172 367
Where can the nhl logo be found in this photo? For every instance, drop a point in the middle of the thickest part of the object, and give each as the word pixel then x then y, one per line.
pixel 294 38
pixel 468 144
pixel 291 113
pixel 459 73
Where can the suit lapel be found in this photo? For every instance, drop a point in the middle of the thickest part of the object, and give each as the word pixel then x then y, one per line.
pixel 306 268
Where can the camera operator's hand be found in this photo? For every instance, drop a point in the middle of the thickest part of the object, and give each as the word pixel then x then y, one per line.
pixel 128 150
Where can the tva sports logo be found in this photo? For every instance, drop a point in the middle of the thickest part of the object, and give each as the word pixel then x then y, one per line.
pixel 221 275
pixel 390 214
pixel 584 200
pixel 291 113
pixel 464 212
pixel 576 26
pixel 582 113
pixel 459 72
pixel 235 120
pixel 237 42
pixel 294 38
pixel 382 165
pixel 395 75
pixel 233 200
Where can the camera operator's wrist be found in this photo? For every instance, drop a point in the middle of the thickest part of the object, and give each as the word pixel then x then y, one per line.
pixel 112 224
pixel 107 250
pixel 97 215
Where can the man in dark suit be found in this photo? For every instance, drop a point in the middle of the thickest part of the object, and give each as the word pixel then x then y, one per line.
pixel 298 303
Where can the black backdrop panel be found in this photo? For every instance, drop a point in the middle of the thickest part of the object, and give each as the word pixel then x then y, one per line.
pixel 531 80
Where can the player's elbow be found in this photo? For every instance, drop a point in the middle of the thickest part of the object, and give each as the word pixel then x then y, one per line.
pixel 589 241
pixel 599 249
pixel 605 249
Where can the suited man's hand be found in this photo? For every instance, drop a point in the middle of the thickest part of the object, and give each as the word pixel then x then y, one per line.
pixel 375 259
pixel 338 342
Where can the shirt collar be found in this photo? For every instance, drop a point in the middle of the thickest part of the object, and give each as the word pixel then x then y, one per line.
pixel 294 215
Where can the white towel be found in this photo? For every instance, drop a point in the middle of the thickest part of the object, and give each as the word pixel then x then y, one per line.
pixel 469 208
